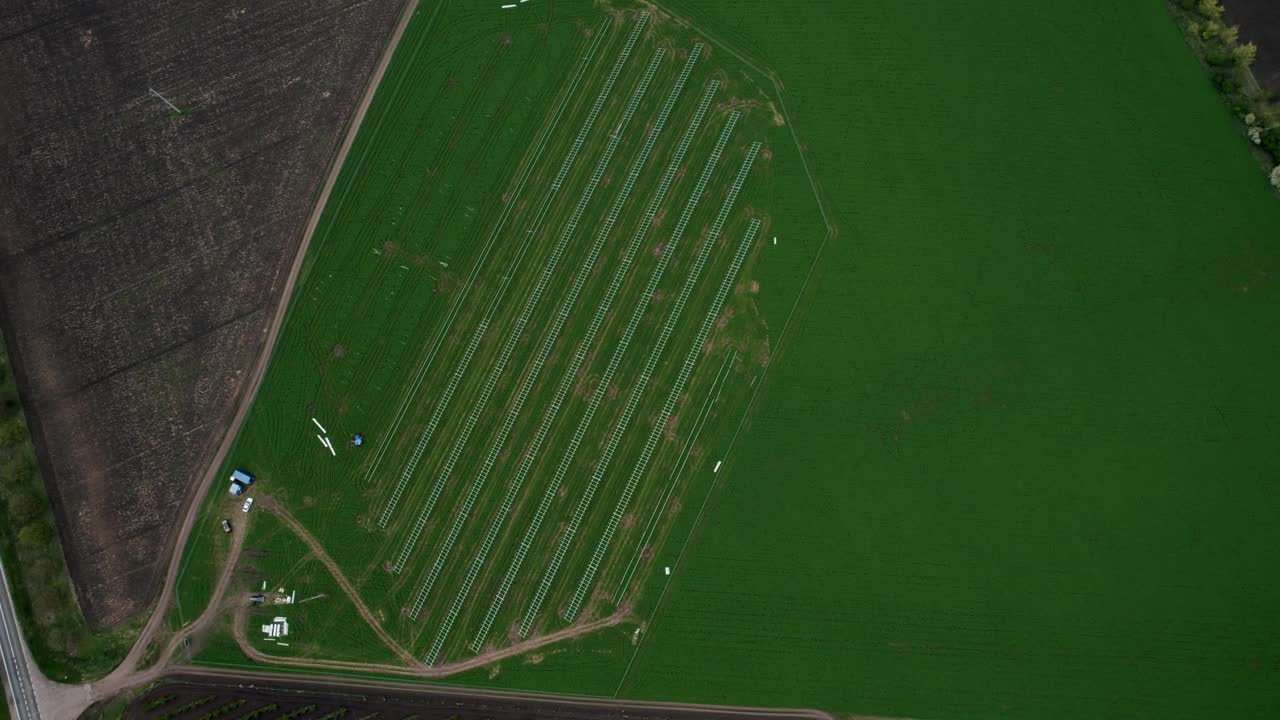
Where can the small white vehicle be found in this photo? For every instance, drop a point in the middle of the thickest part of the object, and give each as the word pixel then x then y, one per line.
pixel 248 503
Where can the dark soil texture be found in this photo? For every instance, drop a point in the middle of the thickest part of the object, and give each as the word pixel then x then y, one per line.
pixel 142 251
pixel 312 701
pixel 1259 22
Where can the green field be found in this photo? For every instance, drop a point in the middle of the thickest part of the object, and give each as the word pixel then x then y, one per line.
pixel 1011 454
pixel 278 564
pixel 548 271
pixel 1028 408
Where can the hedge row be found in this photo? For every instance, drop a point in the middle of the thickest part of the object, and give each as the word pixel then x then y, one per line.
pixel 63 645
pixel 1228 61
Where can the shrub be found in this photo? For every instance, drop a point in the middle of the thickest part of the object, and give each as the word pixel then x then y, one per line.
pixel 36 534
pixel 17 472
pixel 259 712
pixel 1275 177
pixel 220 711
pixel 298 712
pixel 175 712
pixel 1271 141
pixel 162 700
pixel 1217 56
pixel 23 507
pixel 13 433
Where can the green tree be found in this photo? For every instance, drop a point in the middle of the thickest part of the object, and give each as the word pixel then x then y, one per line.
pixel 36 534
pixel 23 507
pixel 1244 54
pixel 1211 9
pixel 17 472
pixel 13 433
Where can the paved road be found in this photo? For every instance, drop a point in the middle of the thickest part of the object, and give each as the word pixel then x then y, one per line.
pixel 17 673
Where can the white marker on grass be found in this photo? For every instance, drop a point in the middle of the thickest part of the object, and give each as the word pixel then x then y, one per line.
pixel 775 239
pixel 317 422
pixel 717 469
pixel 668 570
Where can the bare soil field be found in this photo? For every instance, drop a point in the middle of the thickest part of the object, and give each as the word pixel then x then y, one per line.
pixel 1259 22
pixel 142 250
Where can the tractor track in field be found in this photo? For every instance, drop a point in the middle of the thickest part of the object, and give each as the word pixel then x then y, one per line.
pixel 159 646
pixel 127 674
pixel 276 508
pixel 414 667
pixel 254 381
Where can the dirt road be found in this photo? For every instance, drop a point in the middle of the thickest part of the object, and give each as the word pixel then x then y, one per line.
pixel 126 674
pixel 274 506
pixel 273 331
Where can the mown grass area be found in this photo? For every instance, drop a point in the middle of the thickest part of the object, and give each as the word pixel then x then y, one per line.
pixel 548 260
pixel 1015 457
pixel 1010 458
pixel 323 622
pixel 64 647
